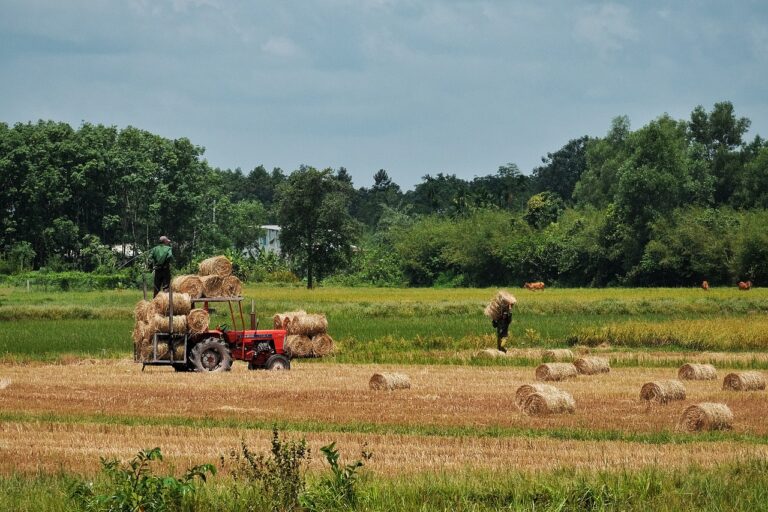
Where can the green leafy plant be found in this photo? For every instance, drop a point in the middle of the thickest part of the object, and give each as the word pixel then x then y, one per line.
pixel 338 490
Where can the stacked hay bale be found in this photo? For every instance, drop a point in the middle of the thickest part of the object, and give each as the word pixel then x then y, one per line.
pixel 216 277
pixel 153 317
pixel 306 334
pixel 541 399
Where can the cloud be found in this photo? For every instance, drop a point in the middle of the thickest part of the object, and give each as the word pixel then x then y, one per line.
pixel 607 27
pixel 280 46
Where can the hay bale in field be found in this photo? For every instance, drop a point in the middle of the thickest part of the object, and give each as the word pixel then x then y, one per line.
pixel 231 287
pixel 500 303
pixel 744 381
pixel 528 389
pixel 216 266
pixel 706 416
pixel 694 371
pixel 491 353
pixel 556 371
pixel 162 323
pixel 192 285
pixel 142 310
pixel 298 345
pixel 538 404
pixel 662 391
pixel 389 381
pixel 308 325
pixel 4 383
pixel 212 285
pixel 322 345
pixel 592 365
pixel 182 304
pixel 557 354
pixel 198 321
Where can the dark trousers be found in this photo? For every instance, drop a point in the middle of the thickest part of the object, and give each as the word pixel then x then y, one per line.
pixel 162 279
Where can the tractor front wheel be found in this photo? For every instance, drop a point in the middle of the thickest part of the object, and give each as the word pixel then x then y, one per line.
pixel 211 355
pixel 277 362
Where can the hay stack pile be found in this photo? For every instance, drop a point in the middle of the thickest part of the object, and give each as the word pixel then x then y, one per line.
pixel 307 334
pixel 541 399
pixel 214 279
pixel 152 317
pixel 500 303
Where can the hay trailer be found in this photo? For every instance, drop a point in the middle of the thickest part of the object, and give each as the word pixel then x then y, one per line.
pixel 215 349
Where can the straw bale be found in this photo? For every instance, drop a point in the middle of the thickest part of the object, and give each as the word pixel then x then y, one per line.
pixel 322 345
pixel 556 371
pixel 490 352
pixel 281 320
pixel 181 304
pixel 216 266
pixel 744 381
pixel 538 404
pixel 4 383
pixel 662 391
pixel 189 284
pixel 298 345
pixel 501 302
pixel 178 352
pixel 162 351
pixel 528 389
pixel 307 324
pixel 231 287
pixel 161 323
pixel 198 321
pixel 558 354
pixel 694 371
pixel 212 285
pixel 592 365
pixel 142 311
pixel 389 381
pixel 141 331
pixel 706 416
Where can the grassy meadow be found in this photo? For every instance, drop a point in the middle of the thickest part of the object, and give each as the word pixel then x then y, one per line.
pixel 69 394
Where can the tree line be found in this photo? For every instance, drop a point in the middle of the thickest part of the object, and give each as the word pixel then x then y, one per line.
pixel 671 203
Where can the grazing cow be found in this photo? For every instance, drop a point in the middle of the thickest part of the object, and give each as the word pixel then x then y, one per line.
pixel 744 286
pixel 534 286
pixel 705 285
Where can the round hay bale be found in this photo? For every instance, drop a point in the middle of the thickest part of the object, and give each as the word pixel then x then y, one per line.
pixel 490 353
pixel 592 365
pixel 161 323
pixel 231 287
pixel 322 345
pixel 181 304
pixel 662 391
pixel 539 404
pixel 212 285
pixel 216 266
pixel 557 354
pixel 693 371
pixel 162 351
pixel 528 389
pixel 500 303
pixel 141 331
pixel 198 321
pixel 389 381
pixel 189 284
pixel 178 352
pixel 142 311
pixel 298 345
pixel 4 383
pixel 556 371
pixel 288 317
pixel 706 416
pixel 744 381
pixel 308 325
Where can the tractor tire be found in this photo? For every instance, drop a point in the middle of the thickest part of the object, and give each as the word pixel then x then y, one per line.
pixel 277 362
pixel 211 355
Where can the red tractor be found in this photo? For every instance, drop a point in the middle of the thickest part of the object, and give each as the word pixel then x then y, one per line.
pixel 215 349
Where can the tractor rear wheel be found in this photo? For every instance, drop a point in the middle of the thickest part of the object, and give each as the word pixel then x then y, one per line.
pixel 211 355
pixel 277 362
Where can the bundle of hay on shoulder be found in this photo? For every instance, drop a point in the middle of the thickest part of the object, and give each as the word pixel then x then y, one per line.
pixel 706 416
pixel 693 371
pixel 162 323
pixel 216 266
pixel 198 321
pixel 189 284
pixel 389 381
pixel 538 404
pixel 500 303
pixel 298 345
pixel 231 287
pixel 528 389
pixel 307 324
pixel 281 320
pixel 744 381
pixel 143 311
pixel 181 304
pixel 212 285
pixel 557 354
pixel 592 365
pixel 322 345
pixel 662 391
pixel 556 371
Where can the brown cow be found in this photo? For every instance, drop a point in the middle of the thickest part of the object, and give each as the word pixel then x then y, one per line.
pixel 744 286
pixel 705 286
pixel 534 286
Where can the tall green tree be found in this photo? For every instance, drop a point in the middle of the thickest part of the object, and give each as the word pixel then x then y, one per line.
pixel 562 169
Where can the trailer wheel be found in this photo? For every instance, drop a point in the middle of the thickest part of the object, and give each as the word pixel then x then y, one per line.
pixel 277 362
pixel 211 355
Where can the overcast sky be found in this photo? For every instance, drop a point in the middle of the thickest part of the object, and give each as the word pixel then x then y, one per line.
pixel 414 87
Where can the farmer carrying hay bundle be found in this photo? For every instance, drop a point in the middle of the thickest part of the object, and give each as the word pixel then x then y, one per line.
pixel 500 312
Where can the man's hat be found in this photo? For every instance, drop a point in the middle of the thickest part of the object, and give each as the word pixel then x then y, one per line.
pixel 165 239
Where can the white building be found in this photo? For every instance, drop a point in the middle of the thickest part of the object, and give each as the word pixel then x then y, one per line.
pixel 270 240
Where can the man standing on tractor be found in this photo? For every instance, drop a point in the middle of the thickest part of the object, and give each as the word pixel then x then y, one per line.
pixel 160 258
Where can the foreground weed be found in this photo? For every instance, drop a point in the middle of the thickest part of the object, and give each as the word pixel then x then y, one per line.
pixel 338 491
